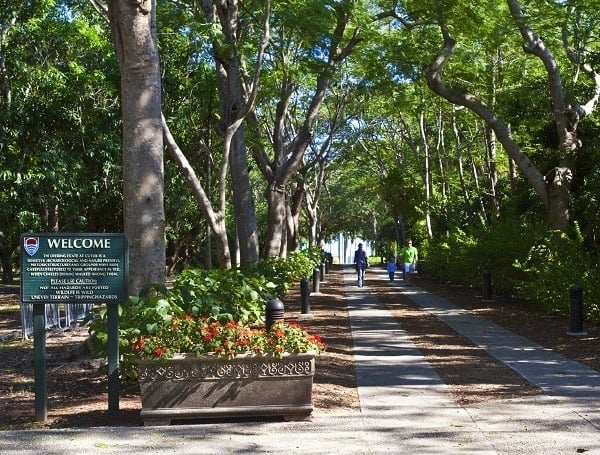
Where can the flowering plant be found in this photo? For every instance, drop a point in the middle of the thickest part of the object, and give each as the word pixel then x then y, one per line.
pixel 202 336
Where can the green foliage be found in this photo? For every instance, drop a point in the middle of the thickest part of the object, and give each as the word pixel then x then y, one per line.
pixel 530 262
pixel 286 272
pixel 463 256
pixel 223 294
pixel 139 315
pixel 219 296
pixel 445 258
pixel 554 264
pixel 59 115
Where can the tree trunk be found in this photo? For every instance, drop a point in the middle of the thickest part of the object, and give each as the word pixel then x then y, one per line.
pixel 276 215
pixel 289 147
pixel 293 217
pixel 480 200
pixel 7 270
pixel 215 220
pixel 490 139
pixel 442 158
pixel 426 174
pixel 237 99
pixel 133 27
pixel 554 187
pixel 312 218
pixel 461 171
pixel 49 213
pixel 243 202
pixel 460 98
pixel 180 251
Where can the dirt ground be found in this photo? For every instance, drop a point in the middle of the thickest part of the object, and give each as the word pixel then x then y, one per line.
pixel 77 389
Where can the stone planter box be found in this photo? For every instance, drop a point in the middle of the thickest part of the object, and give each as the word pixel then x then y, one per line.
pixel 212 387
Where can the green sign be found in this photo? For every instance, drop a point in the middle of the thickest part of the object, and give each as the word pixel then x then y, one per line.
pixel 74 268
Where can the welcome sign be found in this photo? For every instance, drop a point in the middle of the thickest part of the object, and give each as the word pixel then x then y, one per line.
pixel 74 268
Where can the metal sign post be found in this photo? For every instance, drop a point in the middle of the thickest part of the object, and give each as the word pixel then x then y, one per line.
pixel 40 375
pixel 73 268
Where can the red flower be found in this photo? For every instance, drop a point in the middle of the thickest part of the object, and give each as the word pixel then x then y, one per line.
pixel 158 352
pixel 139 344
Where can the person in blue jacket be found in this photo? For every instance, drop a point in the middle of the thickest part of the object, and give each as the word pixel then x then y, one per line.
pixel 391 268
pixel 360 263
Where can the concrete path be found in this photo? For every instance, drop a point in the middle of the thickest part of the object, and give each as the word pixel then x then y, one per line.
pixel 405 407
pixel 566 419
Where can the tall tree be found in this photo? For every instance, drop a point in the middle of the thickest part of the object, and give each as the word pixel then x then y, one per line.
pixel 58 152
pixel 290 135
pixel 238 88
pixel 133 27
pixel 553 187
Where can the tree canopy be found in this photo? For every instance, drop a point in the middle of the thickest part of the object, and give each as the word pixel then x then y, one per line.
pixel 288 123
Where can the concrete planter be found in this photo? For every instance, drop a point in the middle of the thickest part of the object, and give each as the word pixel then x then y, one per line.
pixel 212 387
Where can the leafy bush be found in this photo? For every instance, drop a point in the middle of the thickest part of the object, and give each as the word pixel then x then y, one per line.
pixel 139 315
pixel 448 258
pixel 525 260
pixel 219 296
pixel 286 272
pixel 554 264
pixel 223 295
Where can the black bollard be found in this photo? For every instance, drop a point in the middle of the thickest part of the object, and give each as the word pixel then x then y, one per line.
pixel 487 286
pixel 322 272
pixel 304 297
pixel 274 313
pixel 315 280
pixel 576 311
pixel 326 266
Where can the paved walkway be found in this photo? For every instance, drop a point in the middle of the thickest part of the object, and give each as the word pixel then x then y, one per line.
pixel 405 407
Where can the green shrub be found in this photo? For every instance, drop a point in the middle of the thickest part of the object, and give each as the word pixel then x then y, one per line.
pixel 219 295
pixel 554 264
pixel 448 258
pixel 525 260
pixel 223 294
pixel 286 272
pixel 139 315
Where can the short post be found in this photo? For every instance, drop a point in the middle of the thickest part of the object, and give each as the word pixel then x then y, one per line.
pixel 315 280
pixel 326 266
pixel 304 300
pixel 487 286
pixel 322 272
pixel 274 313
pixel 576 311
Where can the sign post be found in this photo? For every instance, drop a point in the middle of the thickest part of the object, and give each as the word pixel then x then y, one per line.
pixel 40 375
pixel 74 268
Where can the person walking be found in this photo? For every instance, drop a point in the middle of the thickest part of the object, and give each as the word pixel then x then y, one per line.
pixel 410 257
pixel 391 268
pixel 360 264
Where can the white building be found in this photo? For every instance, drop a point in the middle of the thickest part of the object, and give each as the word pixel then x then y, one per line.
pixel 342 249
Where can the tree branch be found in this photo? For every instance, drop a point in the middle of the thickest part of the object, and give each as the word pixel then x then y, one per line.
pixel 471 102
